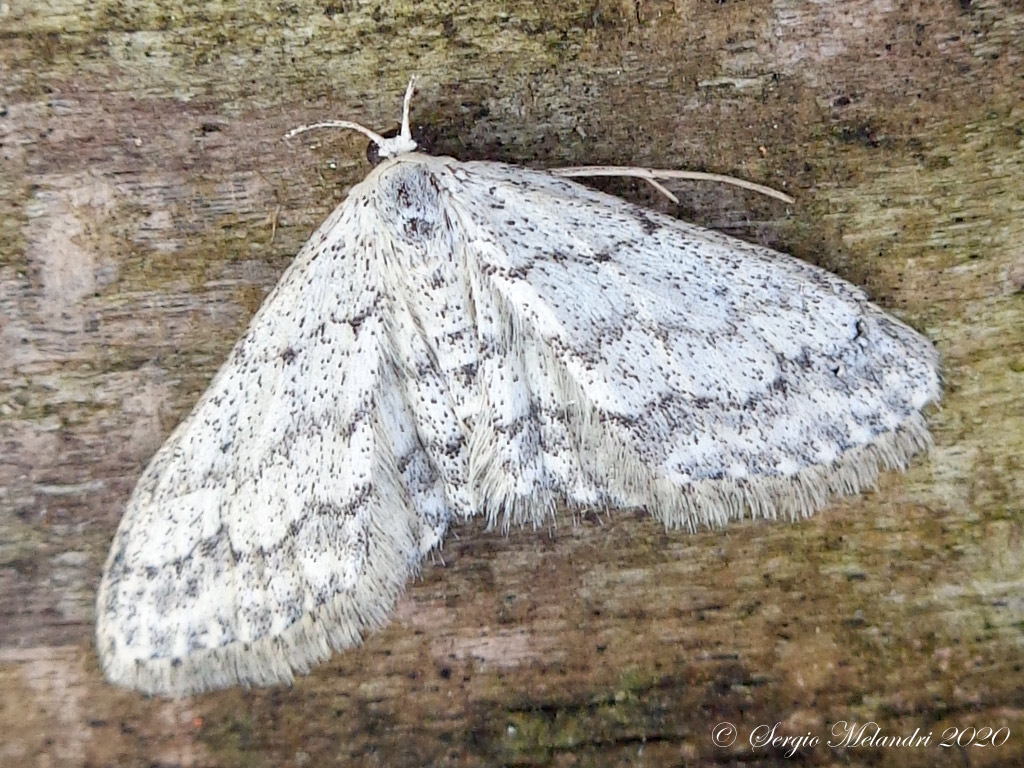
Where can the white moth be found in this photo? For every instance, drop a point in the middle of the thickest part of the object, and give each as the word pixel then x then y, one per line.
pixel 464 339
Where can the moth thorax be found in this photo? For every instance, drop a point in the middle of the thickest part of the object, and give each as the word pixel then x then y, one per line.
pixel 410 198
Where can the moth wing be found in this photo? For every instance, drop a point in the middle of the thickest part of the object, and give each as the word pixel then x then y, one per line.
pixel 284 515
pixel 665 365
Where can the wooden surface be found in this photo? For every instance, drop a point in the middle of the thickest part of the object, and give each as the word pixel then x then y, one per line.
pixel 147 203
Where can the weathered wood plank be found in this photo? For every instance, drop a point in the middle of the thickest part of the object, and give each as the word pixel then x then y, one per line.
pixel 148 204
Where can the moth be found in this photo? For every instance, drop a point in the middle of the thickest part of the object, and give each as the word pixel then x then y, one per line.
pixel 479 339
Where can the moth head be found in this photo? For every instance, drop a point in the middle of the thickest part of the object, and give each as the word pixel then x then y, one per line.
pixel 403 142
pixel 424 137
pixel 385 147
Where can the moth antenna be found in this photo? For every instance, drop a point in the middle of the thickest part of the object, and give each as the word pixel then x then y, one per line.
pixel 396 145
pixel 406 130
pixel 662 189
pixel 651 175
pixel 347 125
